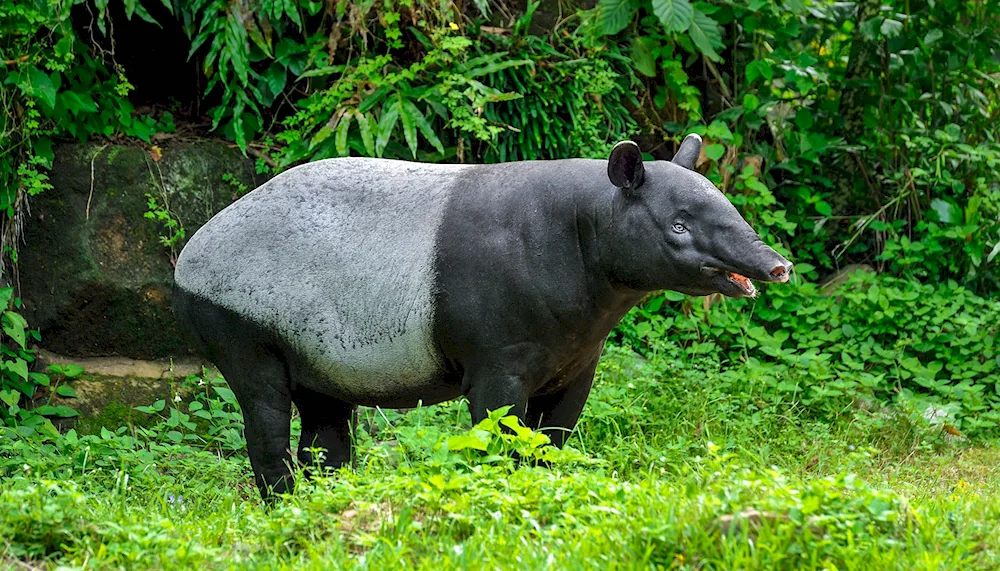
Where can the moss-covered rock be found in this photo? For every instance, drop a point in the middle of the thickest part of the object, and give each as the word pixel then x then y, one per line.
pixel 94 276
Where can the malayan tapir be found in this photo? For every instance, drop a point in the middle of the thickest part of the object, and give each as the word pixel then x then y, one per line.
pixel 358 281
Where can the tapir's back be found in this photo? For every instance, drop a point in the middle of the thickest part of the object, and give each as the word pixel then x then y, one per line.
pixel 337 258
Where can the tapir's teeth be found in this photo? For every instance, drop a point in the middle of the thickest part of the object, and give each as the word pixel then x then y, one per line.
pixel 744 283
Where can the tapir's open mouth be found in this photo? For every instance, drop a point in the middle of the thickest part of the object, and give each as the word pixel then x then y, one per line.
pixel 732 284
pixel 743 283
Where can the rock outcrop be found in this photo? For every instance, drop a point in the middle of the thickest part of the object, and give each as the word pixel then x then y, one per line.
pixel 95 278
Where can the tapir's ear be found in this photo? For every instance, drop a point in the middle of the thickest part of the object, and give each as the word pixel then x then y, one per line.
pixel 625 166
pixel 687 155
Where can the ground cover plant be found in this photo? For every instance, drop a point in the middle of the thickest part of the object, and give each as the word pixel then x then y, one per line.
pixel 682 460
pixel 843 426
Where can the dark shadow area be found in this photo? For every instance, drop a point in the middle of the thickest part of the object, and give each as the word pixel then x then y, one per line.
pixel 154 59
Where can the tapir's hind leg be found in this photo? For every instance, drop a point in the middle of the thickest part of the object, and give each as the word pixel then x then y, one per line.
pixel 326 424
pixel 252 364
pixel 260 382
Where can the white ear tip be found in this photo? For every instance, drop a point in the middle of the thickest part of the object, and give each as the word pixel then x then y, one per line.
pixel 621 143
pixel 694 136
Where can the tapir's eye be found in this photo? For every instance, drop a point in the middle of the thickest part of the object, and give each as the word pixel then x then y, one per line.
pixel 679 228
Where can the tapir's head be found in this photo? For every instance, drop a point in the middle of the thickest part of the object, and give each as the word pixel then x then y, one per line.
pixel 677 231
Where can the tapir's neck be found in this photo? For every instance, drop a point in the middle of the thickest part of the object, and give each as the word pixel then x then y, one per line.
pixel 597 210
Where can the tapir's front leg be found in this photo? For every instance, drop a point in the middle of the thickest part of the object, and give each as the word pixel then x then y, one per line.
pixel 491 392
pixel 508 380
pixel 556 413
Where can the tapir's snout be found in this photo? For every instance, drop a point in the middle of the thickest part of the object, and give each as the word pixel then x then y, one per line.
pixel 780 272
pixel 732 276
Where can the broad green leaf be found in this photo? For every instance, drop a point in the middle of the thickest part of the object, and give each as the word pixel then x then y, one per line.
pixel 947 211
pixel 19 367
pixel 891 28
pixel 321 135
pixel 759 68
pixel 643 56
pixel 72 370
pixel 715 151
pixel 804 119
pixel 66 391
pixel 137 7
pixel 60 411
pixel 824 208
pixel 615 15
pixel 993 252
pixel 236 47
pixel 342 129
pixel 484 7
pixel 514 424
pixel 102 6
pixel 40 379
pixel 253 31
pixel 373 99
pixel 409 126
pixel 5 295
pixel 13 326
pixel 424 126
pixel 225 394
pixel 461 442
pixel 292 11
pixel 386 125
pixel 237 123
pixel 705 34
pixel 41 86
pixel 365 127
pixel 10 397
pixel 676 15
pixel 74 103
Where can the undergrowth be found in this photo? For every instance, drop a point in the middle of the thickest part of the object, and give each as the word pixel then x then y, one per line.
pixel 686 457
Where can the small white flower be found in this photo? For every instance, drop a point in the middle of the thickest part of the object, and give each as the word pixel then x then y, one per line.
pixel 27 468
pixel 177 398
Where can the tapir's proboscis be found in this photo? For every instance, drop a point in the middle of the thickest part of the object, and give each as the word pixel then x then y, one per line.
pixel 375 282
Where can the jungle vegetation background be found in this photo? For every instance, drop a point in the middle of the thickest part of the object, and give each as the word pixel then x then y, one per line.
pixel 858 419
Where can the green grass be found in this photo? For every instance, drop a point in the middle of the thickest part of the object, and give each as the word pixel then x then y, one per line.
pixel 664 454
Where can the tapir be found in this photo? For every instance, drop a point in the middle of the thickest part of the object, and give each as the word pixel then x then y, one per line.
pixel 375 282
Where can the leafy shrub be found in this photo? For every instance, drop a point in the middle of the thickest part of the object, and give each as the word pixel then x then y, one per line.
pixel 41 518
pixel 457 100
pixel 20 387
pixel 876 340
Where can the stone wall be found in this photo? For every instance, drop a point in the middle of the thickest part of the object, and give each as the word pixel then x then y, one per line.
pixel 95 279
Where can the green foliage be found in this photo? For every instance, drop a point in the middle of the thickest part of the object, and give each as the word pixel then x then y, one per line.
pixel 23 391
pixel 54 86
pixel 211 419
pixel 172 233
pixel 725 483
pixel 482 99
pixel 876 124
pixel 927 348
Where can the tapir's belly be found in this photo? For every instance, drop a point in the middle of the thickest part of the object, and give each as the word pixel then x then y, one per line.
pixel 343 273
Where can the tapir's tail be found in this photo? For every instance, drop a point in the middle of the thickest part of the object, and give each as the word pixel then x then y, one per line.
pixel 184 304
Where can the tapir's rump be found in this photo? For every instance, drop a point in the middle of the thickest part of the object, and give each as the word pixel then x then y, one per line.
pixel 336 257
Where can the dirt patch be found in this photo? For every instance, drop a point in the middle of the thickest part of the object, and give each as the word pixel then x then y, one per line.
pixel 123 367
